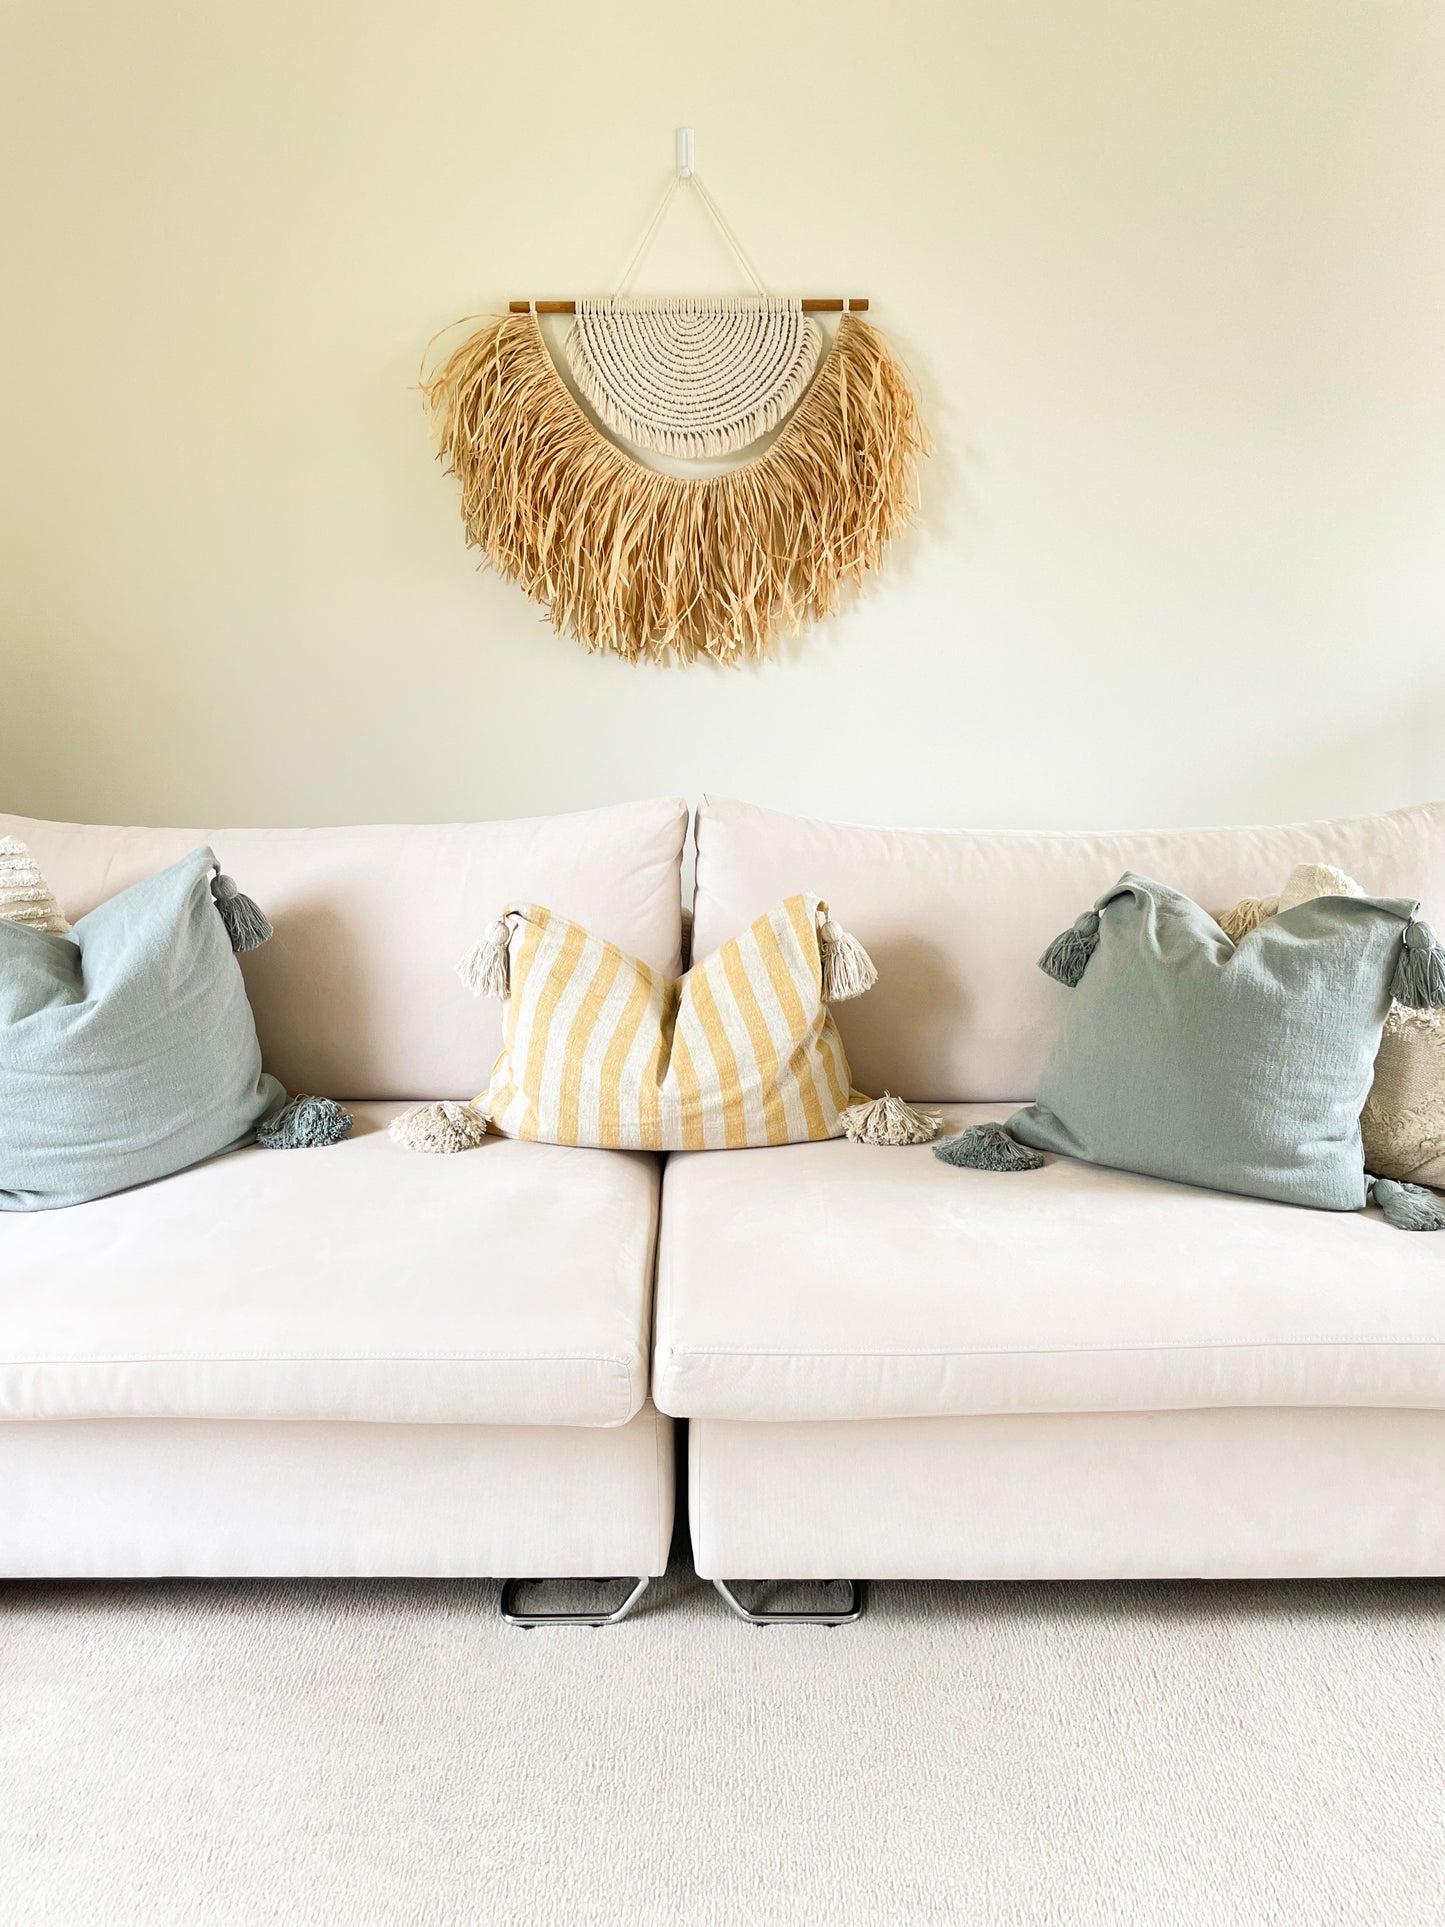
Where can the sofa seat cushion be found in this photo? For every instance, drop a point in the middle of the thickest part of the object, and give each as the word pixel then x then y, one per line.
pixel 511 1286
pixel 837 1281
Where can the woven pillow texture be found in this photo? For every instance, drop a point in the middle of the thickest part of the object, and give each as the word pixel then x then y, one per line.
pixel 1403 1122
pixel 127 1047
pixel 600 1050
pixel 1239 1067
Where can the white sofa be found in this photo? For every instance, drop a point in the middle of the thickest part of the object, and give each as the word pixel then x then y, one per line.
pixel 893 1368
pixel 366 1361
pixel 358 1360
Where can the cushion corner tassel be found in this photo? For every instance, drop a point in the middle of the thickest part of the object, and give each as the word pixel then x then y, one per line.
pixel 847 969
pixel 1246 915
pixel 486 968
pixel 888 1120
pixel 1409 1207
pixel 1419 981
pixel 247 925
pixel 443 1129
pixel 1067 957
pixel 988 1147
pixel 304 1124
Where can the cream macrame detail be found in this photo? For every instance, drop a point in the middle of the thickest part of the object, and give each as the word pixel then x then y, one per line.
pixel 25 896
pixel 693 375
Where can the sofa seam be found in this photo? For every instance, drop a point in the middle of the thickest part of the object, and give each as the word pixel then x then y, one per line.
pixel 682 1353
pixel 663 1442
pixel 618 1359
pixel 695 1442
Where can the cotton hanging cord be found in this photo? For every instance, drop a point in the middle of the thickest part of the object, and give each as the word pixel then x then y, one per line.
pixel 648 235
pixel 692 376
pixel 627 559
pixel 724 228
pixel 719 220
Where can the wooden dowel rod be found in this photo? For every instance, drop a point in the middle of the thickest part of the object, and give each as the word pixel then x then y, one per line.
pixel 813 304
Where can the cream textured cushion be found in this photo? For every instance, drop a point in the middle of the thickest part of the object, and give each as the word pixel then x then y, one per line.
pixel 509 1288
pixel 956 920
pixel 25 896
pixel 1404 1117
pixel 355 992
pixel 824 1282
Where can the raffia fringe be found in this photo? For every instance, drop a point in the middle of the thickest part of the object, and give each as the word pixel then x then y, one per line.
pixel 627 559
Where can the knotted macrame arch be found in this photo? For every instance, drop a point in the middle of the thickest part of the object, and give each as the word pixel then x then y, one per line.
pixel 692 376
pixel 629 559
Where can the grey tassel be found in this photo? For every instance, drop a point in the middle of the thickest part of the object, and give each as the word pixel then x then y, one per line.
pixel 305 1124
pixel 247 926
pixel 486 969
pixel 1409 1207
pixel 1420 976
pixel 987 1147
pixel 1067 957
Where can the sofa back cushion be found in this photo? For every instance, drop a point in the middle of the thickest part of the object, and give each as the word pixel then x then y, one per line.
pixel 355 995
pixel 956 920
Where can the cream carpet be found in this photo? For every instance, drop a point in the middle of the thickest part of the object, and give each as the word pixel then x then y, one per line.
pixel 388 1752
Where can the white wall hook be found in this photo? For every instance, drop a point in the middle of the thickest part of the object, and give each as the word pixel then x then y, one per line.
pixel 684 153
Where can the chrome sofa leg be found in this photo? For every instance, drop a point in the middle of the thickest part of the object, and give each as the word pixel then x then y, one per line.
pixel 527 1620
pixel 841 1615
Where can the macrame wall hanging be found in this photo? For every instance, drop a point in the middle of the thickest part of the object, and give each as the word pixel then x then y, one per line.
pixel 627 557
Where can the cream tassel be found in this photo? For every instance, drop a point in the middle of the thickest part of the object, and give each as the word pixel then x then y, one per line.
pixel 443 1128
pixel 847 968
pixel 486 969
pixel 888 1120
pixel 1248 914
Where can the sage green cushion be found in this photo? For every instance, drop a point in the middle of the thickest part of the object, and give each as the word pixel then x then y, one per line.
pixel 1241 1067
pixel 127 1047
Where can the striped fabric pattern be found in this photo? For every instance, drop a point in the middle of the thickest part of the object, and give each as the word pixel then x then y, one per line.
pixel 600 1050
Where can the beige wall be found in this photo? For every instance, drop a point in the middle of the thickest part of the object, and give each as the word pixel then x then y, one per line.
pixel 1171 278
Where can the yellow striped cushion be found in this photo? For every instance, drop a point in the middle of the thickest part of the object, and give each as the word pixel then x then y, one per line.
pixel 600 1050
